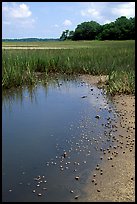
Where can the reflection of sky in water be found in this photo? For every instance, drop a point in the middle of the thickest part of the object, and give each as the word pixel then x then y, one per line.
pixel 30 117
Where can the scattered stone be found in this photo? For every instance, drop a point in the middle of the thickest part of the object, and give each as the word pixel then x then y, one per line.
pixel 97 116
pixel 97 168
pixel 77 177
pixel 95 183
pixel 65 154
pixel 83 96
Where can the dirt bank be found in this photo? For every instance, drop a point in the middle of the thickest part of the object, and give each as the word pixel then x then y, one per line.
pixel 115 180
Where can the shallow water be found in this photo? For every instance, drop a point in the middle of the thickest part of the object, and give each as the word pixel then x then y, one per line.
pixel 39 124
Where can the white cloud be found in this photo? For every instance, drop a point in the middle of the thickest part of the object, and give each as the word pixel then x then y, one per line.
pixel 90 12
pixel 17 14
pixel 22 11
pixel 67 23
pixel 94 11
pixel 105 12
pixel 126 9
pixel 14 10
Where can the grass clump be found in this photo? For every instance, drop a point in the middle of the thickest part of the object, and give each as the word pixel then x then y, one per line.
pixel 121 82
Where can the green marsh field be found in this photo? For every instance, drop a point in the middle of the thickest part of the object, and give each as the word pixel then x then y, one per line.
pixel 23 61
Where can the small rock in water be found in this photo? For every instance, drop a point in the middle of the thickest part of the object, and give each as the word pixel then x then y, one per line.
pixel 83 96
pixel 76 197
pixel 71 191
pixel 39 194
pixel 97 116
pixel 65 154
pixel 77 177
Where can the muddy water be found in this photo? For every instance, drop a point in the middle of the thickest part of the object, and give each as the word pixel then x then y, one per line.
pixel 52 137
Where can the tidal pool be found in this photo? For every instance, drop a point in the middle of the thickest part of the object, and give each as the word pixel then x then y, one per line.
pixel 52 137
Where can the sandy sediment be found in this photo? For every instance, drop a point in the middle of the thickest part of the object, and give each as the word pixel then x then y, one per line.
pixel 115 179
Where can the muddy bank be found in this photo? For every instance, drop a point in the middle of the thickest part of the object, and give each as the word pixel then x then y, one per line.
pixel 114 180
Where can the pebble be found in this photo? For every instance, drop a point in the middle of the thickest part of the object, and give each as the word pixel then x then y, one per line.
pixel 83 96
pixel 77 177
pixel 39 194
pixel 95 183
pixel 97 116
pixel 65 154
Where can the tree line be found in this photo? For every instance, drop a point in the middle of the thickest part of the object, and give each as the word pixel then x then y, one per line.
pixel 29 40
pixel 121 29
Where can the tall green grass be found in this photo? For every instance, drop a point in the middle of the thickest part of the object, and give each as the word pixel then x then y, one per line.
pixel 111 58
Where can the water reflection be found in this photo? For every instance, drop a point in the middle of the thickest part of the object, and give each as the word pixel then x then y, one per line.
pixel 45 121
pixel 18 94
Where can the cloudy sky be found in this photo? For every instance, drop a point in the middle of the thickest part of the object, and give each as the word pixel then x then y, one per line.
pixel 49 19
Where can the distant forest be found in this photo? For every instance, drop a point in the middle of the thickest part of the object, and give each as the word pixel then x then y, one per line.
pixel 29 40
pixel 121 29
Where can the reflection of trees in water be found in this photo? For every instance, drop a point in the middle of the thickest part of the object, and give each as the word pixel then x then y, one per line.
pixel 17 95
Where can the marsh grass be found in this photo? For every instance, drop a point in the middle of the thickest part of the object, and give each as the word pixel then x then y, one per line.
pixel 100 58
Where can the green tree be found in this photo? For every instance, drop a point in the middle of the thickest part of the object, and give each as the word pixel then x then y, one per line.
pixel 70 35
pixel 64 35
pixel 87 31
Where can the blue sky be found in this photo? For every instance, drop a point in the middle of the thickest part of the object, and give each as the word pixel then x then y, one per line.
pixel 49 19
